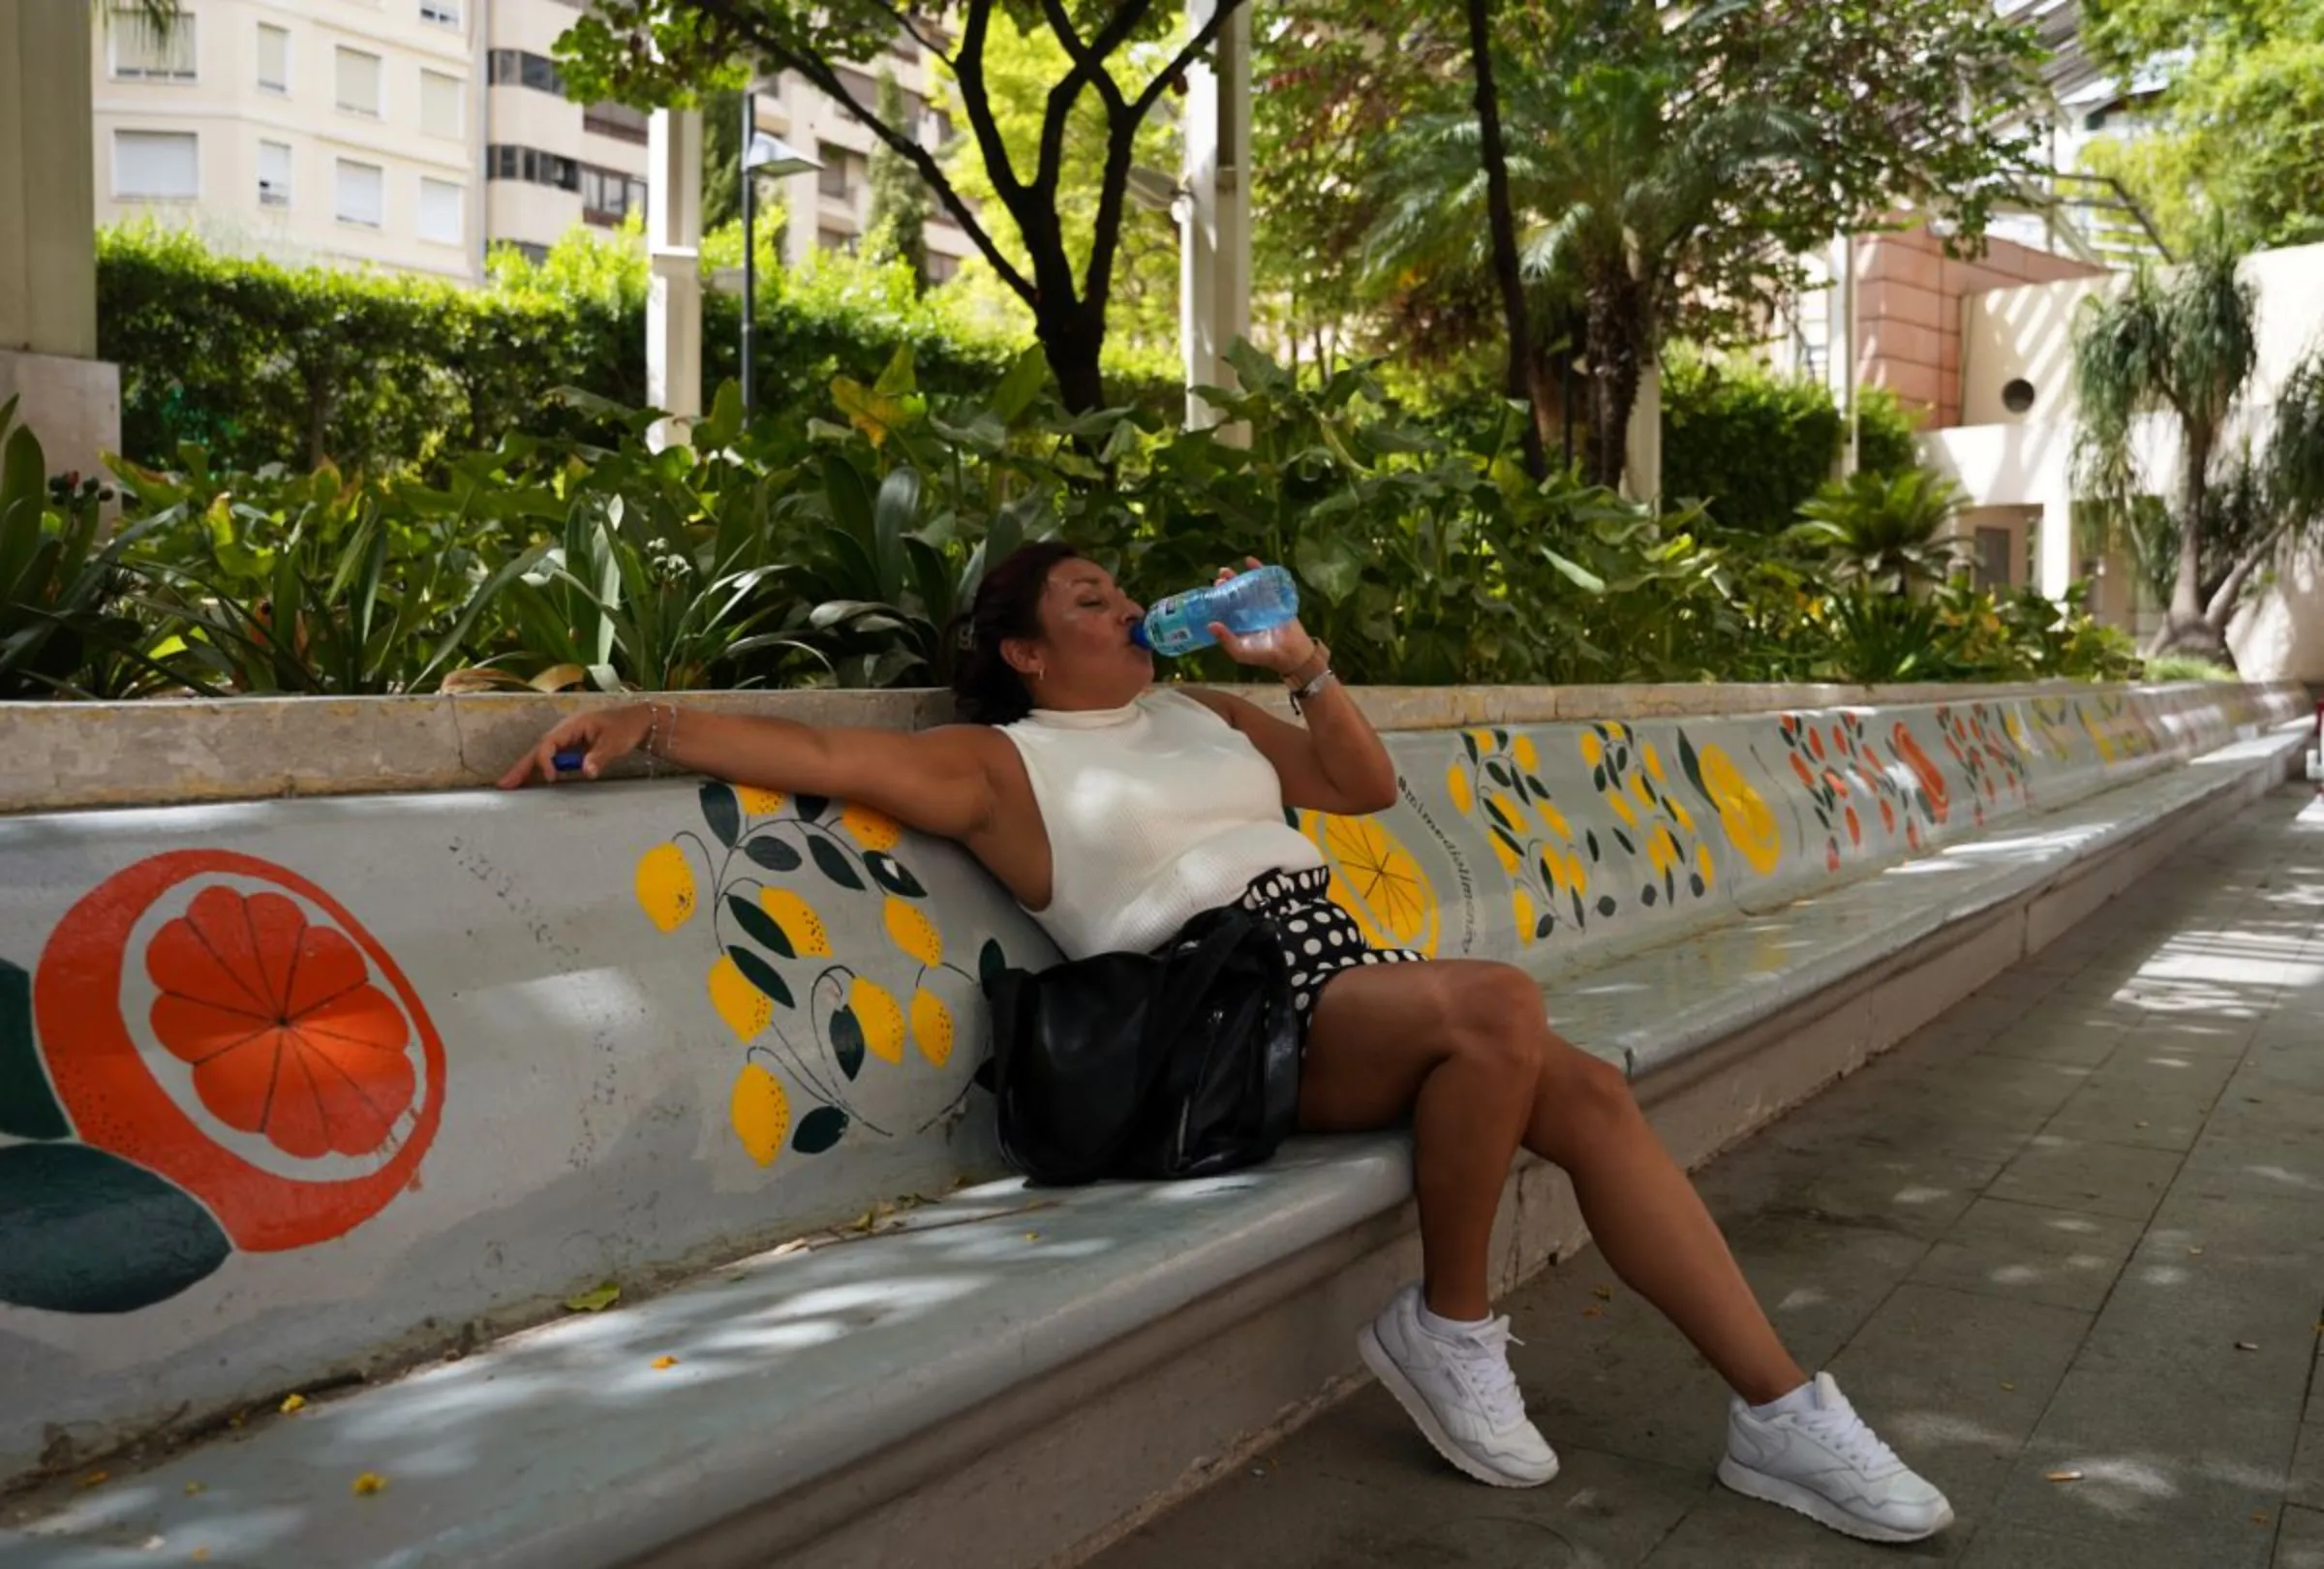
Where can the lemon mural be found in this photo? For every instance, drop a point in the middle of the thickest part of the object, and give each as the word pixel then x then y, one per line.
pixel 808 1025
pixel 1376 880
pixel 1629 778
pixel 1494 784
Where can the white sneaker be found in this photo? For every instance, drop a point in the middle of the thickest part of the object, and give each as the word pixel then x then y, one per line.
pixel 1826 1463
pixel 1460 1392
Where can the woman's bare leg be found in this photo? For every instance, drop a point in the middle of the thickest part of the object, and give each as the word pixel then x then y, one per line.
pixel 1431 1040
pixel 1465 1048
pixel 1648 1220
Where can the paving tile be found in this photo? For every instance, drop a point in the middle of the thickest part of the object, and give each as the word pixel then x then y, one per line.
pixel 2300 1540
pixel 2168 1474
pixel 2030 1251
pixel 1319 1503
pixel 2001 1545
pixel 2306 1483
pixel 1729 1531
pixel 2082 1174
pixel 1956 1382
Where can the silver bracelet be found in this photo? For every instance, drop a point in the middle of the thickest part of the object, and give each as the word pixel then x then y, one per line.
pixel 1321 680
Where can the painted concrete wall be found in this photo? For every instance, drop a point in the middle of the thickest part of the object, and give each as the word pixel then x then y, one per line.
pixel 289 1088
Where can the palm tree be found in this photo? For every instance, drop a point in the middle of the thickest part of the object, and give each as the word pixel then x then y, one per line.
pixel 1614 192
pixel 2186 347
pixel 1890 534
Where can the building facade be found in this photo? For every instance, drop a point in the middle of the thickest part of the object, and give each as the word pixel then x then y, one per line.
pixel 417 135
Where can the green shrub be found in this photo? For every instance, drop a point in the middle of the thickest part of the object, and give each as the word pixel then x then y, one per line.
pixel 260 363
pixel 1753 445
pixel 2187 668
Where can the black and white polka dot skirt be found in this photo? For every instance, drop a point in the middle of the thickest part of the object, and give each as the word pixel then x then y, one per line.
pixel 1319 940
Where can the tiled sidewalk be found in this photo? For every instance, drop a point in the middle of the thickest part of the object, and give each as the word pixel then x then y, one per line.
pixel 2074 1226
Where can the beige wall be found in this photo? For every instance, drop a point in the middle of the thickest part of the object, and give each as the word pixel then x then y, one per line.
pixel 2028 332
pixel 1910 311
pixel 230 115
pixel 2003 457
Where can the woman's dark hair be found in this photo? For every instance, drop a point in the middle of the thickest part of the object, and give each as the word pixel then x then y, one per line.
pixel 1007 604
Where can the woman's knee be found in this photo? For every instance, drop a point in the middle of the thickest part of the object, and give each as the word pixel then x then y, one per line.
pixel 1498 1018
pixel 1581 1094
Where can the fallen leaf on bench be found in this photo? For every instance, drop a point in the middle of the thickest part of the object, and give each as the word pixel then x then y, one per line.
pixel 192 1488
pixel 2194 1252
pixel 152 1544
pixel 369 1482
pixel 596 1300
pixel 1032 1236
pixel 293 1403
pixel 96 1479
pixel 662 1363
pixel 1593 1312
pixel 1602 1293
pixel 2246 1345
pixel 2011 1388
pixel 2064 1476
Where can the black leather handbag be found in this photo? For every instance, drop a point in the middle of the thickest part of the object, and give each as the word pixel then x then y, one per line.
pixel 1183 1062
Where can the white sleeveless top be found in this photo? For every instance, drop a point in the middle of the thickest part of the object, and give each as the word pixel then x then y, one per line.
pixel 1155 813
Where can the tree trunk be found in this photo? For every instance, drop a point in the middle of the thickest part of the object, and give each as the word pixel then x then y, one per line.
pixel 1073 346
pixel 1502 217
pixel 2186 629
pixel 1613 333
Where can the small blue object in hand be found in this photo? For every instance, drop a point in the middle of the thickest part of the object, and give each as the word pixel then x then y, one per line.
pixel 567 762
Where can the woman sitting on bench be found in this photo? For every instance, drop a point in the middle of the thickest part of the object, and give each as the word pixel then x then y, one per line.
pixel 1116 811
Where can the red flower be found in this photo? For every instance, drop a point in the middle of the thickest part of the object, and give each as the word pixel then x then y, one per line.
pixel 287 1035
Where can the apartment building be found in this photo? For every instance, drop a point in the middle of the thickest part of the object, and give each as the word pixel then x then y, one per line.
pixel 829 208
pixel 405 134
pixel 417 135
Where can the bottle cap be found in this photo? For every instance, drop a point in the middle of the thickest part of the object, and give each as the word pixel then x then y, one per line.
pixel 1138 636
pixel 567 762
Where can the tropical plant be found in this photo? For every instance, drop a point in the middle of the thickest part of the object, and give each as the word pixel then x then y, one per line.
pixel 1891 532
pixel 2184 346
pixel 65 624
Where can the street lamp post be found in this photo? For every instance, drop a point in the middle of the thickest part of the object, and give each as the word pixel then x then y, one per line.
pixel 762 154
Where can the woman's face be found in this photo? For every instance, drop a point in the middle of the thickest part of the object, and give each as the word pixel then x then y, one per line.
pixel 1085 656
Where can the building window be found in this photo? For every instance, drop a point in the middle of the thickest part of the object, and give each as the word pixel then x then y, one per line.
pixel 358 82
pixel 443 105
pixel 519 68
pixel 937 267
pixel 532 167
pixel 608 196
pixel 274 58
pixel 835 239
pixel 442 12
pixel 903 48
pixel 441 204
pixel 157 166
pixel 531 252
pixel 618 121
pixel 363 197
pixel 842 169
pixel 860 87
pixel 144 51
pixel 274 174
pixel 1993 559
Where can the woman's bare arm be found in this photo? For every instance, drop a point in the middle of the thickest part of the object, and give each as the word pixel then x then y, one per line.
pixel 1337 764
pixel 939 782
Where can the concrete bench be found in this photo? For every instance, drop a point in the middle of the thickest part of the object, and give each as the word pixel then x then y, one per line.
pixel 617 1071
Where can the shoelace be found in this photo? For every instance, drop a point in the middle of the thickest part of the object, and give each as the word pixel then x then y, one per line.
pixel 1483 1355
pixel 1845 1432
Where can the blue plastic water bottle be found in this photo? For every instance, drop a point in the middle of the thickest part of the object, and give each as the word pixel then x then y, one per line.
pixel 1245 603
